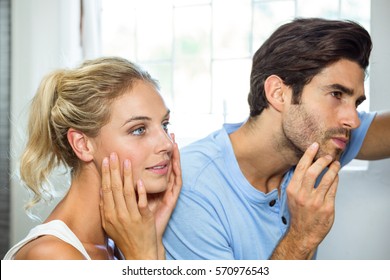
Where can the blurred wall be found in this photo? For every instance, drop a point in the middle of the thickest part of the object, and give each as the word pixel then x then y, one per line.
pixel 45 36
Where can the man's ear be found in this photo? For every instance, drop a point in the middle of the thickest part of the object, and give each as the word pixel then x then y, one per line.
pixel 80 144
pixel 275 92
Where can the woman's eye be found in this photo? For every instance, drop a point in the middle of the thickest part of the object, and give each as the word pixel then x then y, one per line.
pixel 138 131
pixel 165 126
pixel 336 94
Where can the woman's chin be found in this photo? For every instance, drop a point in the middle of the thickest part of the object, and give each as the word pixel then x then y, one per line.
pixel 156 188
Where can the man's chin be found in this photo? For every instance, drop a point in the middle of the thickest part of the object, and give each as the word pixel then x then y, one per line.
pixel 335 154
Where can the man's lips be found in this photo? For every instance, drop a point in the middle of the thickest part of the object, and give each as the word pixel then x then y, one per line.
pixel 341 142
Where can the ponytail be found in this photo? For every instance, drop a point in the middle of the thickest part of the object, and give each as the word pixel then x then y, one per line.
pixel 40 156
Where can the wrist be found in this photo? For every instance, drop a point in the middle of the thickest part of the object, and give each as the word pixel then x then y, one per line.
pixel 294 246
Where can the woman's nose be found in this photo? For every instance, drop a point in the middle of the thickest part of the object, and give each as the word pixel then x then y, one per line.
pixel 165 143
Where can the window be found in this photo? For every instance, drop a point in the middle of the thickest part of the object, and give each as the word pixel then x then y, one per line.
pixel 201 50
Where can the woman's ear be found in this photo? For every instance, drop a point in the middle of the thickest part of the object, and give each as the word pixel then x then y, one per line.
pixel 80 144
pixel 275 92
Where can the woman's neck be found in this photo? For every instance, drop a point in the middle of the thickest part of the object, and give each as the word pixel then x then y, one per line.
pixel 79 210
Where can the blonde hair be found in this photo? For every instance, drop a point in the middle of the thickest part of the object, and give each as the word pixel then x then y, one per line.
pixel 78 98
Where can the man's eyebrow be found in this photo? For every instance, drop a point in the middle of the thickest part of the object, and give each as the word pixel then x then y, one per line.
pixel 340 87
pixel 345 90
pixel 144 118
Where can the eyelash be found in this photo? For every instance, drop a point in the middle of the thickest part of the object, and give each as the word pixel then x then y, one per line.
pixel 337 94
pixel 358 103
pixel 137 132
pixel 134 131
pixel 165 125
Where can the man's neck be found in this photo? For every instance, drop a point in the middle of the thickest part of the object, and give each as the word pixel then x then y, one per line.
pixel 261 160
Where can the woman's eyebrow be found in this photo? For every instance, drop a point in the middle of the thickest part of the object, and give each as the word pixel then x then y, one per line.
pixel 137 118
pixel 167 114
pixel 144 118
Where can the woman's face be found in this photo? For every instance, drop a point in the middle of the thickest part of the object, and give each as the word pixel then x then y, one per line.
pixel 138 131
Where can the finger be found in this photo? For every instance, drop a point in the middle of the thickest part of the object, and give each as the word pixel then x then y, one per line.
pixel 314 172
pixel 177 171
pixel 174 158
pixel 173 137
pixel 331 194
pixel 101 208
pixel 176 153
pixel 128 189
pixel 116 183
pixel 175 179
pixel 142 199
pixel 304 163
pixel 102 211
pixel 107 199
pixel 326 185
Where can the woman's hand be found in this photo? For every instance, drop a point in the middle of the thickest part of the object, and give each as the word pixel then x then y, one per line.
pixel 129 222
pixel 137 227
pixel 162 204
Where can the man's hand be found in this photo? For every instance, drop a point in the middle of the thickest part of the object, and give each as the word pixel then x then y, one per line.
pixel 312 210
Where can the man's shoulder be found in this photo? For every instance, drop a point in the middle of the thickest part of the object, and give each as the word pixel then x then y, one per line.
pixel 201 152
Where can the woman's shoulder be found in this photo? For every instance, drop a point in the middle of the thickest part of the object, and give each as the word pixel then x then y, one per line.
pixel 48 247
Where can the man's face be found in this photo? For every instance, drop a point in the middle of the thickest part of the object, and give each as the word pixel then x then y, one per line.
pixel 327 112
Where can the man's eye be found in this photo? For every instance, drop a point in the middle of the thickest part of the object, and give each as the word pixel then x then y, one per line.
pixel 336 94
pixel 358 102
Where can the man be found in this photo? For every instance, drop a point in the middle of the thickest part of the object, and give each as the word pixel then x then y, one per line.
pixel 266 188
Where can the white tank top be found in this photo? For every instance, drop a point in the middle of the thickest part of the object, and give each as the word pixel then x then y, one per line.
pixel 55 228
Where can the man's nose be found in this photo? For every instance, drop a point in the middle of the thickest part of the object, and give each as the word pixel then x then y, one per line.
pixel 350 117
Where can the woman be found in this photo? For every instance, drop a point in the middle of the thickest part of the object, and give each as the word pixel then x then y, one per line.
pixel 107 123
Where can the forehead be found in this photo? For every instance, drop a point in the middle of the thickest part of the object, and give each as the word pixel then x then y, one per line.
pixel 344 72
pixel 143 99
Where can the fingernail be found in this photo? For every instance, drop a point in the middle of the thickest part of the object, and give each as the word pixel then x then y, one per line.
pixel 328 157
pixel 140 184
pixel 314 146
pixel 126 164
pixel 112 156
pixel 105 161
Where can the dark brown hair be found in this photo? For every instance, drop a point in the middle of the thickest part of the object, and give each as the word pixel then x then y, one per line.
pixel 299 50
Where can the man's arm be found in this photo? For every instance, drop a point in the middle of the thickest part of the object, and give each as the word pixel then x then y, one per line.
pixel 376 144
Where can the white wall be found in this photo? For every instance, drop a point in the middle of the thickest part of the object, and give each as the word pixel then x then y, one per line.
pixel 45 36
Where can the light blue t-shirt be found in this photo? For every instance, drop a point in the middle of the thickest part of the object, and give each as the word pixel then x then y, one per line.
pixel 219 214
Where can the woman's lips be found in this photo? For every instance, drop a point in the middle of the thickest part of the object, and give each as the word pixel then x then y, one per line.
pixel 160 168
